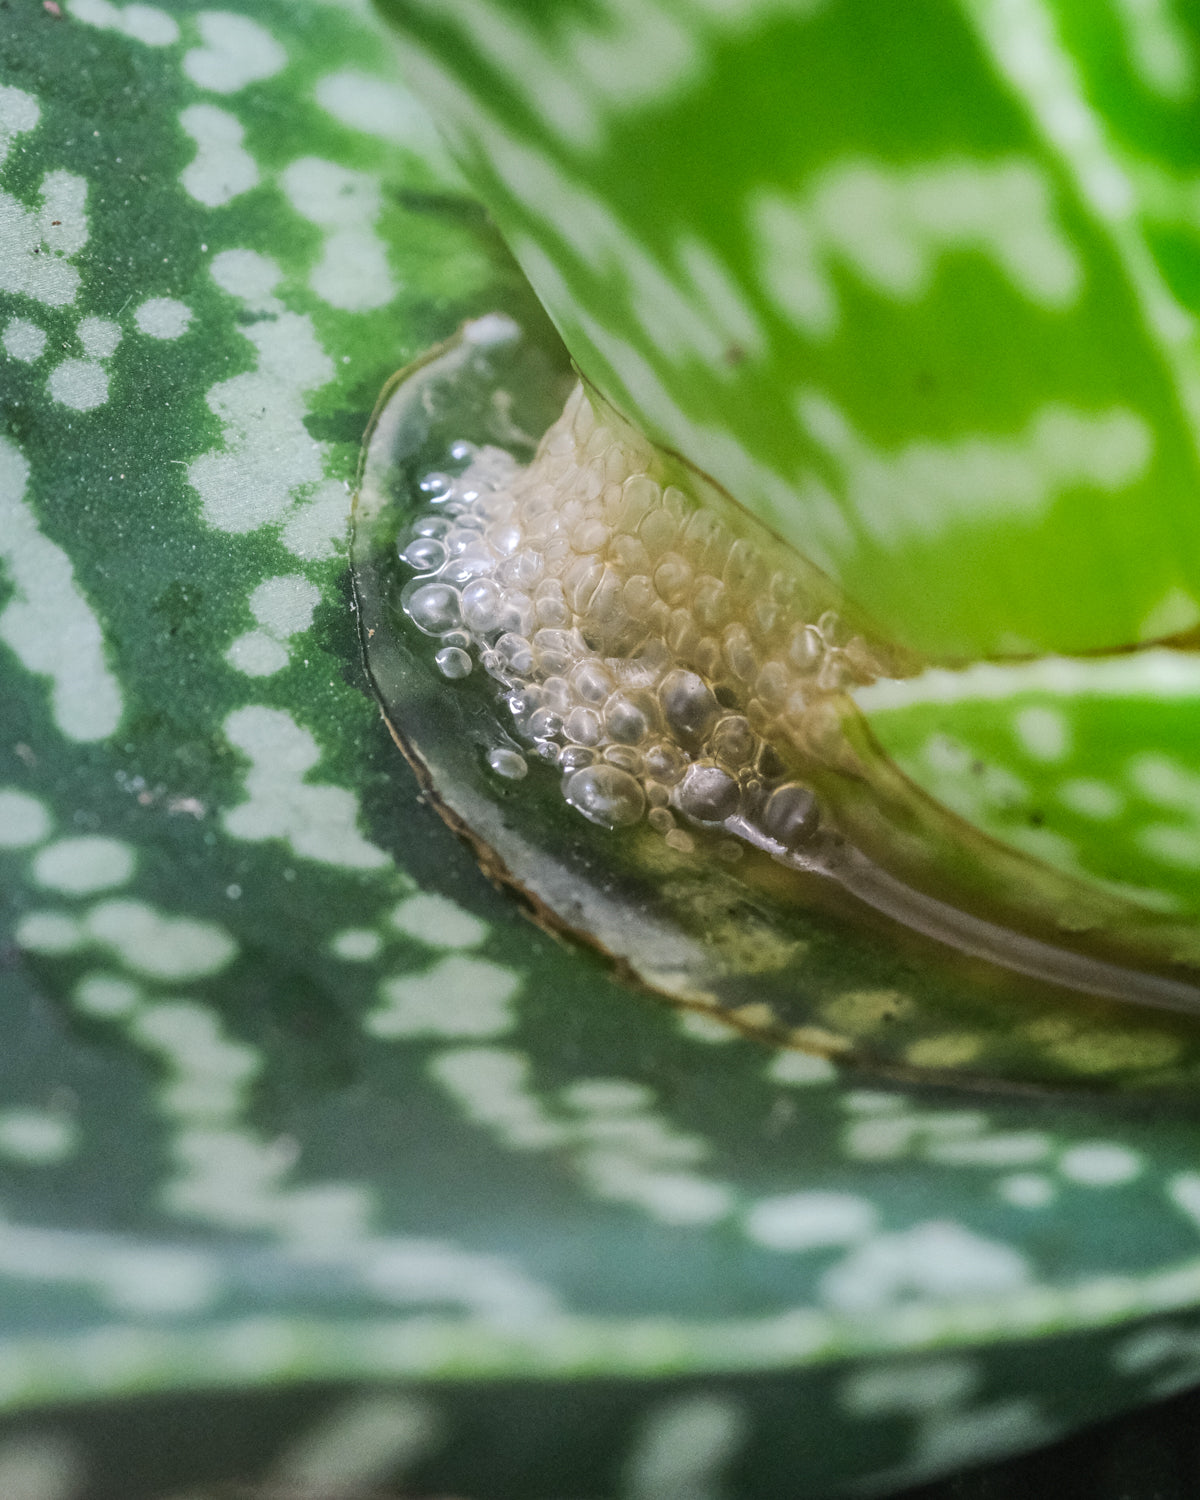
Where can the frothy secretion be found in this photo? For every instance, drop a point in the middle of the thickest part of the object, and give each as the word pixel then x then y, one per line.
pixel 643 646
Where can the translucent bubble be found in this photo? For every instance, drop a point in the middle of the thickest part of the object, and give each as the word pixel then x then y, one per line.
pixel 575 757
pixel 432 607
pixel 431 525
pixel 664 762
pixel 507 763
pixel 453 662
pixel 733 742
pixel 425 554
pixel 739 652
pixel 831 628
pixel 556 694
pixel 688 705
pixel 555 651
pixel 708 793
pixel 520 571
pixel 591 682
pixel 606 795
pixel 437 486
pixel 589 536
pixel 673 578
pixel 660 820
pixel 772 685
pixel 624 756
pixel 583 726
pixel 806 649
pixel 625 720
pixel 791 815
pixel 516 653
pixel 515 614
pixel 544 723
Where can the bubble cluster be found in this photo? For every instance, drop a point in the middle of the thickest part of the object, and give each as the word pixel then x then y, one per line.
pixel 654 653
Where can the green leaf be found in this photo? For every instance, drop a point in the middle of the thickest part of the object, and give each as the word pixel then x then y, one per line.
pixel 856 267
pixel 290 1094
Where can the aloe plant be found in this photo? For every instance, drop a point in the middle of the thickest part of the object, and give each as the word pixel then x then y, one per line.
pixel 317 1153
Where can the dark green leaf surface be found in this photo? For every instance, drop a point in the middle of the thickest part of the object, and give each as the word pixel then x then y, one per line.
pixel 289 1093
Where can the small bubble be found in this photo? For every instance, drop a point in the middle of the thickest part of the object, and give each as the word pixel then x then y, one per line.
pixel 806 650
pixel 583 726
pixel 507 763
pixel 689 705
pixel 791 815
pixel 432 607
pixel 830 626
pixel 625 720
pixel 575 757
pixel 480 605
pixel 733 742
pixel 516 654
pixel 665 762
pixel 544 724
pixel 591 682
pixel 708 793
pixel 424 553
pixel 453 662
pixel 606 795
pixel 624 756
pixel 437 486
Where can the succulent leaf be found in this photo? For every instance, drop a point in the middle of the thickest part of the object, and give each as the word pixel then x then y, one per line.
pixel 857 267
pixel 319 1167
